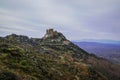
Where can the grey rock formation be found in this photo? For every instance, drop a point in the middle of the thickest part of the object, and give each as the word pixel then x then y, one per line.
pixel 54 36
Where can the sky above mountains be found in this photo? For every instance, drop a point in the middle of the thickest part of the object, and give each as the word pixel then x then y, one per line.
pixel 76 19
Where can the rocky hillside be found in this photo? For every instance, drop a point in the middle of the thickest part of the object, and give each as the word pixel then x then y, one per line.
pixel 52 57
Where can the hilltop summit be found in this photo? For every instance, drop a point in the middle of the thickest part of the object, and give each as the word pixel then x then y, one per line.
pixel 51 34
pixel 54 37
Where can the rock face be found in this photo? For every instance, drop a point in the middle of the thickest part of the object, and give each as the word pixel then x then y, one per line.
pixel 51 34
pixel 55 38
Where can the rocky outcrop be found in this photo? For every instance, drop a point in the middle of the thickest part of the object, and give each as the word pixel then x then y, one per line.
pixel 53 38
pixel 54 35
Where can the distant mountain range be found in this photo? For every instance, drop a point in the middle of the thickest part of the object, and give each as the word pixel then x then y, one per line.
pixel 109 50
pixel 99 41
pixel 52 57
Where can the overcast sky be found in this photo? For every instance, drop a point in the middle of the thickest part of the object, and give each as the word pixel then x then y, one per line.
pixel 76 19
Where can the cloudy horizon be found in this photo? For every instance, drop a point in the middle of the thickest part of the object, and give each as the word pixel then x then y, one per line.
pixel 77 20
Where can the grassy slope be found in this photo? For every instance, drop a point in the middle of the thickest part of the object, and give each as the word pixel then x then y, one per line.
pixel 25 61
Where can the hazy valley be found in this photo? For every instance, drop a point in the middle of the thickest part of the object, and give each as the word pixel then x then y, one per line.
pixel 110 51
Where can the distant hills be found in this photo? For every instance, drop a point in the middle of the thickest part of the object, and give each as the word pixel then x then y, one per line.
pixel 52 57
pixel 111 50
pixel 99 41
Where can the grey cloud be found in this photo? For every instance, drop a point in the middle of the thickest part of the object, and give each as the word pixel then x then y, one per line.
pixel 78 19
